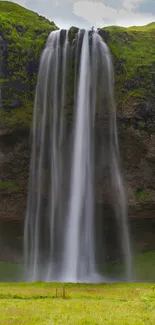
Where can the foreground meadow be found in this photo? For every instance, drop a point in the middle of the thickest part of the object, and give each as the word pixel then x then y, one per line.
pixel 79 304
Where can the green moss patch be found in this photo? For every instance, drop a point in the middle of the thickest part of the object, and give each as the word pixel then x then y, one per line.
pixel 8 186
pixel 142 195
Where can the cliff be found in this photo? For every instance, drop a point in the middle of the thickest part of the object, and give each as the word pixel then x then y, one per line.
pixel 133 52
pixel 22 37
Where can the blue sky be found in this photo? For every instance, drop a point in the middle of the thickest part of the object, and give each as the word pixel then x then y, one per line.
pixel 98 13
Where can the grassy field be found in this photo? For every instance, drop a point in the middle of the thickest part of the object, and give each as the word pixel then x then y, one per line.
pixel 81 304
pixel 110 304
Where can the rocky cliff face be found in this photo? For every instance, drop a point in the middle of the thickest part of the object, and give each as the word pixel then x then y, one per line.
pixel 133 55
pixel 23 35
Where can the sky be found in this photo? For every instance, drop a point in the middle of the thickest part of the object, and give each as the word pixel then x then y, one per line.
pixel 97 13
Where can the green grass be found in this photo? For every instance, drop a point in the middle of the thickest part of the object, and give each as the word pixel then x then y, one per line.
pixel 134 45
pixel 133 51
pixel 116 304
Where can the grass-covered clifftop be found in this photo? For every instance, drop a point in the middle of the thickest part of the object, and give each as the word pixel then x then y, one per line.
pixel 133 51
pixel 23 33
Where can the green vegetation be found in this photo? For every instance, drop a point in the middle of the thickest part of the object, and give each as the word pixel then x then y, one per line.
pixel 24 33
pixel 133 50
pixel 142 195
pixel 8 186
pixel 17 119
pixel 39 303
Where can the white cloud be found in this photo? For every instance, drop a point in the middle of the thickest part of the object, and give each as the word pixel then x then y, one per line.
pixel 99 15
pixel 129 5
pixel 93 12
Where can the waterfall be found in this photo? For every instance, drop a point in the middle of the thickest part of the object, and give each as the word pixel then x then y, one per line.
pixel 80 210
pixel 66 159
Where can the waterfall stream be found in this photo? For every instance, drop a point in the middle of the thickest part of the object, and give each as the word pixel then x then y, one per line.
pixel 59 237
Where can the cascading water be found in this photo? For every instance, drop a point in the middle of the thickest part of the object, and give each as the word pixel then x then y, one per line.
pixel 79 253
pixel 60 238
